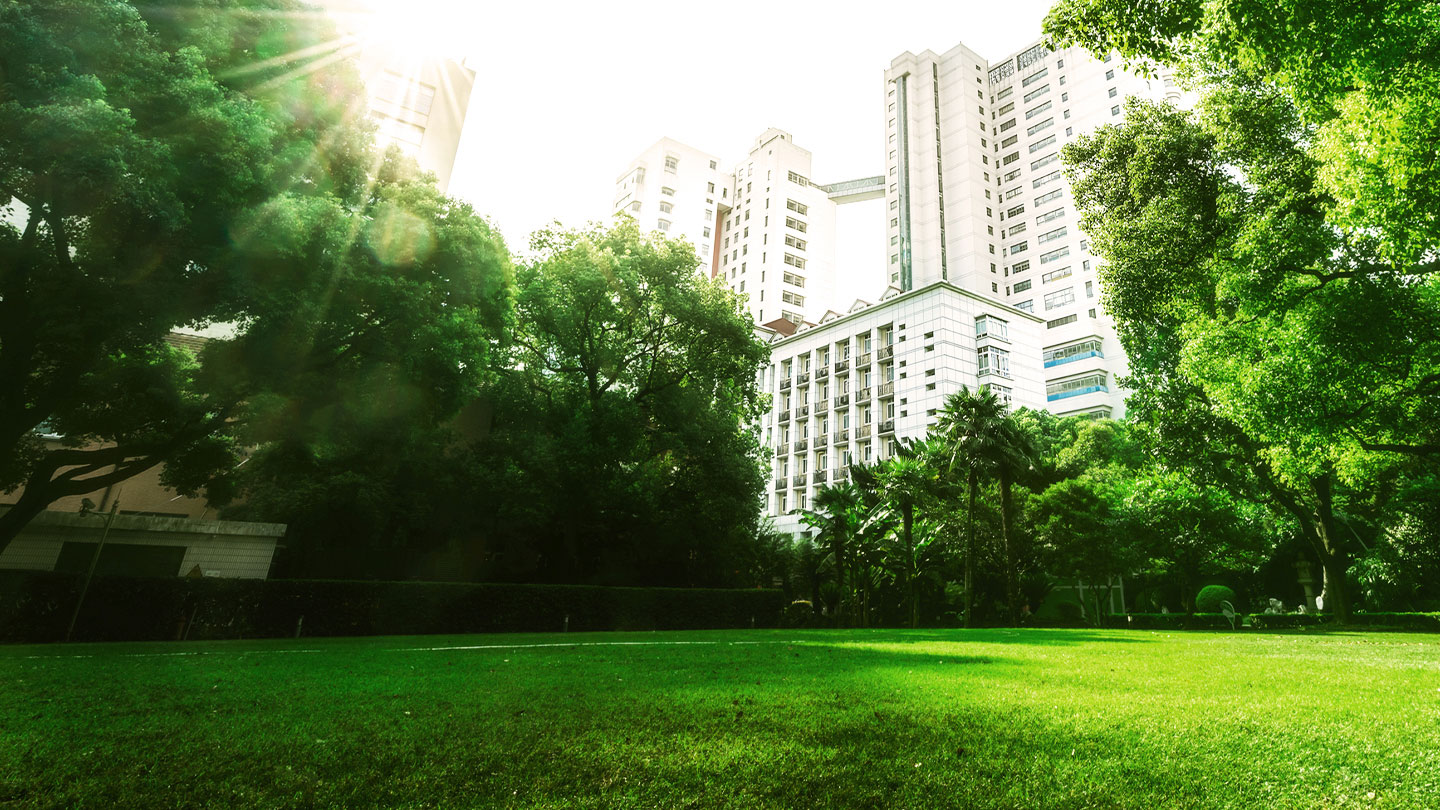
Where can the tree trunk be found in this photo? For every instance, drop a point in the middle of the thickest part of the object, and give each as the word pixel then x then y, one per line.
pixel 908 515
pixel 1334 556
pixel 1012 589
pixel 970 551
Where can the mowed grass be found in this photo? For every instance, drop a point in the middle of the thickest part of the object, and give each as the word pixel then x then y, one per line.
pixel 844 719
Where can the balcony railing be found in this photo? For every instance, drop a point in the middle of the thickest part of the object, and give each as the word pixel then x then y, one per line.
pixel 785 384
pixel 862 432
pixel 842 366
pixel 885 353
pixel 887 389
pixel 842 401
pixel 779 484
pixel 842 474
pixel 802 445
pixel 888 426
pixel 782 449
pixel 842 436
pixel 803 378
pixel 802 411
pixel 863 360
pixel 797 481
pixel 863 394
pixel 784 416
pixel 822 372
pixel 818 478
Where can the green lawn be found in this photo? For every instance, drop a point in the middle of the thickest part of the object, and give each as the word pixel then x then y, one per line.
pixel 806 719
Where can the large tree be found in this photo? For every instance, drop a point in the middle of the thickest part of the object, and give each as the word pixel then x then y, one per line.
pixel 1271 259
pixel 199 164
pixel 626 417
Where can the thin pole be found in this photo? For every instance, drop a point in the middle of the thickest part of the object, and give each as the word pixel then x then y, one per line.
pixel 70 631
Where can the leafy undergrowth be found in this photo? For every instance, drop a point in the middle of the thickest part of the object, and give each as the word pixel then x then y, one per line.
pixel 806 719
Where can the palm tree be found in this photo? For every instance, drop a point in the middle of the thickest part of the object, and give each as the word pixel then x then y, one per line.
pixel 969 426
pixel 904 482
pixel 837 518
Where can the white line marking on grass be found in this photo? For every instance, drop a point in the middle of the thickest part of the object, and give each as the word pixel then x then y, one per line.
pixel 586 644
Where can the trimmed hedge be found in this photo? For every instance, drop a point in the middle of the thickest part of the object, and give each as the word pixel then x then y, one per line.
pixel 36 607
pixel 1180 621
pixel 1422 622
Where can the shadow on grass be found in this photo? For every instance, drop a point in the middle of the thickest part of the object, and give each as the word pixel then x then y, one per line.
pixel 1023 635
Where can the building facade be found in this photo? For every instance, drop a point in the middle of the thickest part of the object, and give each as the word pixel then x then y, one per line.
pixel 844 390
pixel 761 225
pixel 679 191
pixel 976 195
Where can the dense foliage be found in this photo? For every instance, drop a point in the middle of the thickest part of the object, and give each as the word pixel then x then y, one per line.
pixel 206 165
pixel 1271 263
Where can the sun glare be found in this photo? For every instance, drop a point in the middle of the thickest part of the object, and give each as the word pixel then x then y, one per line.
pixel 411 28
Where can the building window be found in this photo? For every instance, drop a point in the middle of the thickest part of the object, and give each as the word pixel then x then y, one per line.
pixel 1048 122
pixel 1045 179
pixel 1016 229
pixel 794 280
pixel 1045 198
pixel 1068 319
pixel 794 261
pixel 666 207
pixel 1050 215
pixel 991 326
pixel 1028 306
pixel 1022 286
pixel 1036 165
pixel 795 224
pixel 1070 352
pixel 792 298
pixel 1113 111
pixel 1035 77
pixel 1060 298
pixel 672 163
pixel 1110 75
pixel 795 242
pixel 1034 111
pixel 663 225
pixel 1089 289
pixel 1075 386
pixel 1020 267
pixel 799 208
pixel 1019 247
pixel 993 360
pixel 1055 255
pixel 1051 236
pixel 635 207
pixel 1055 275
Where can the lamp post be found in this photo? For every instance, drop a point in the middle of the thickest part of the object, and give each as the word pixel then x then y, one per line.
pixel 70 631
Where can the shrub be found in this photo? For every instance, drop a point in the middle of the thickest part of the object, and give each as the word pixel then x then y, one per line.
pixel 36 607
pixel 1210 597
pixel 1179 621
pixel 1286 621
pixel 1070 612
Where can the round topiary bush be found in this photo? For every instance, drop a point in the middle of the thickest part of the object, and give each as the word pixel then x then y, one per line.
pixel 1210 597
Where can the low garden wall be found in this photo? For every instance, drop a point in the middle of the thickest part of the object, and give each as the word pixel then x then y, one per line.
pixel 36 607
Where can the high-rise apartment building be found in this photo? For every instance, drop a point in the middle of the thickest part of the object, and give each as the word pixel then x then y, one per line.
pixel 679 191
pixel 975 195
pixel 418 105
pixel 761 225
pixel 418 100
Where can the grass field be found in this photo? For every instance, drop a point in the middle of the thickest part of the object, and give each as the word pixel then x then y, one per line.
pixel 806 719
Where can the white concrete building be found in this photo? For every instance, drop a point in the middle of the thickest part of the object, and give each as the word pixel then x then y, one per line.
pixel 843 390
pixel 680 191
pixel 975 195
pixel 762 225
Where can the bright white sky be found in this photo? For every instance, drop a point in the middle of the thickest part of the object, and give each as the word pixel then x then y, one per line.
pixel 567 94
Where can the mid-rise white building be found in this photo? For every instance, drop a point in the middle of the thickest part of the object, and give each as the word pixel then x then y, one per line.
pixel 975 195
pixel 844 390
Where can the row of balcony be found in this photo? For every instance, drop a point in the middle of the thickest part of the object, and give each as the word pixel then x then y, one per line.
pixel 841 367
pixel 817 477
pixel 838 437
